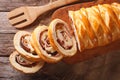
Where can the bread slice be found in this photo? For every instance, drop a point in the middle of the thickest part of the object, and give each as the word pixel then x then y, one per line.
pixel 23 46
pixel 24 65
pixel 61 39
pixel 42 46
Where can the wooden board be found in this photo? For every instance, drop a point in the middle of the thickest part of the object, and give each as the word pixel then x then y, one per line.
pixel 104 67
pixel 62 13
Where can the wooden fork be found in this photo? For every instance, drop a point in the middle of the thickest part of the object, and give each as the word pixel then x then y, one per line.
pixel 23 16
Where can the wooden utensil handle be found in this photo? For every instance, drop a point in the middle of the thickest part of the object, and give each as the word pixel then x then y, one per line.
pixel 60 3
pixel 41 9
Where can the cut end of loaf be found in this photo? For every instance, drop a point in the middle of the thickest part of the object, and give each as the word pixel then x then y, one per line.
pixel 61 38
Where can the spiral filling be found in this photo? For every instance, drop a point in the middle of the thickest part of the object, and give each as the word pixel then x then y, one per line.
pixel 22 61
pixel 44 42
pixel 26 45
pixel 63 37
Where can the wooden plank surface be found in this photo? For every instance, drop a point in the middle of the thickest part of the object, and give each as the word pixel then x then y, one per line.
pixel 88 70
pixel 7 5
pixel 105 67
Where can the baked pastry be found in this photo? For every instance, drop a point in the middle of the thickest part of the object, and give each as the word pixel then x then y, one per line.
pixel 42 46
pixel 87 26
pixel 95 26
pixel 107 34
pixel 116 9
pixel 110 19
pixel 101 31
pixel 80 26
pixel 23 64
pixel 23 46
pixel 61 39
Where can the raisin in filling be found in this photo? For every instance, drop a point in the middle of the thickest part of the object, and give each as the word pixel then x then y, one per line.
pixel 44 42
pixel 25 43
pixel 22 61
pixel 63 37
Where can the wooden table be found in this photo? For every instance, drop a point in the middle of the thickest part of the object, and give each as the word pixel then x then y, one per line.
pixel 105 67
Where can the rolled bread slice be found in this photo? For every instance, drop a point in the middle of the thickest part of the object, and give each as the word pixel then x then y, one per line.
pixel 61 38
pixel 23 46
pixel 24 65
pixel 42 46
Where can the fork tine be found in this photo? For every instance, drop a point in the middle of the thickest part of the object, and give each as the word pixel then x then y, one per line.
pixel 17 19
pixel 23 24
pixel 16 12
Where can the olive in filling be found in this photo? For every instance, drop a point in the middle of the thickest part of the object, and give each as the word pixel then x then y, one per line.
pixel 25 43
pixel 44 42
pixel 22 61
pixel 63 37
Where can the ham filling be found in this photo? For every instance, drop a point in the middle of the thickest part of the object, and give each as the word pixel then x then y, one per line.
pixel 44 42
pixel 63 37
pixel 22 61
pixel 25 43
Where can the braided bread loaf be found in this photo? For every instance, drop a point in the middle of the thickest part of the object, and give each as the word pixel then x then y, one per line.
pixel 96 26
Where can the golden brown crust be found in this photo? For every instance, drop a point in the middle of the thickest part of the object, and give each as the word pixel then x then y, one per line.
pixel 97 26
pixel 90 33
pixel 17 44
pixel 106 32
pixel 110 20
pixel 85 36
pixel 26 69
pixel 116 9
pixel 103 21
pixel 37 44
pixel 79 30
